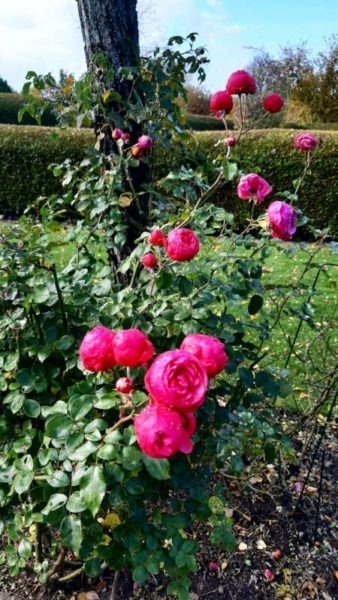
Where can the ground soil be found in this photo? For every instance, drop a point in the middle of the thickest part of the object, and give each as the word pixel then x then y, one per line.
pixel 267 517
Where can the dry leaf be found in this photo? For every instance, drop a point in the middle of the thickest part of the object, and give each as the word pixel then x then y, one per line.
pixel 242 547
pixel 87 596
pixel 193 596
pixel 125 199
pixel 311 489
pixel 261 545
pixel 224 565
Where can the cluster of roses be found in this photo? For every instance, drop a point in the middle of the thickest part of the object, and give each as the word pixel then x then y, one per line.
pixel 180 244
pixel 176 381
pixel 144 142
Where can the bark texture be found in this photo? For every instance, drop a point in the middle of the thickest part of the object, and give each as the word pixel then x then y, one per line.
pixel 110 26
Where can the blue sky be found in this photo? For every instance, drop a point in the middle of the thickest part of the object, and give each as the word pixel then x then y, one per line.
pixel 44 35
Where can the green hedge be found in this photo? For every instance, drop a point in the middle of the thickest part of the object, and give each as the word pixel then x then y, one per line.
pixel 26 152
pixel 205 123
pixel 10 104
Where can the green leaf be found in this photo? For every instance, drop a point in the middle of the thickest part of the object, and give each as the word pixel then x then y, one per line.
pixel 255 304
pixel 82 452
pixel 75 503
pixel 140 574
pixel 71 532
pixel 108 401
pixel 131 458
pixel 158 468
pixel 93 488
pixel 64 343
pixel 230 170
pixel 79 406
pixel 22 482
pixel 31 408
pixel 59 479
pixel 55 502
pixel 92 567
pixel 25 378
pixel 270 452
pixel 58 426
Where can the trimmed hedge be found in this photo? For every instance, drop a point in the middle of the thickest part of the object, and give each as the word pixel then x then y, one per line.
pixel 26 152
pixel 10 104
pixel 205 123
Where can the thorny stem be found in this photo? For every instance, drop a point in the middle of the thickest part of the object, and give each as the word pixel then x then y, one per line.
pixel 116 426
pixel 60 297
pixel 204 196
pixel 302 177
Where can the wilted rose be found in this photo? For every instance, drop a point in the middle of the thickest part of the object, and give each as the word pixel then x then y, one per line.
pixel 282 220
pixel 182 244
pixel 132 347
pixel 177 379
pixel 254 187
pixel 96 350
pixel 208 350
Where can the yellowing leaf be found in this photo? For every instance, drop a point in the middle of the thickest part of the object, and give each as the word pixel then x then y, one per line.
pixel 125 199
pixel 70 80
pixel 106 96
pixel 112 520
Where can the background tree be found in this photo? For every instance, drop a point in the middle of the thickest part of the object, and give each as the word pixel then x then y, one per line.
pixel 5 88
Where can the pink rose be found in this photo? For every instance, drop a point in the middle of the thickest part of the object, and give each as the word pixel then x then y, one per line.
pixel 273 103
pixel 126 137
pixel 241 82
pixel 230 141
pixel 149 260
pixel 254 187
pixel 182 244
pixel 282 219
pixel 178 380
pixel 125 385
pixel 208 350
pixel 117 134
pixel 145 142
pixel 160 432
pixel 305 141
pixel 221 101
pixel 96 350
pixel 157 238
pixel 132 347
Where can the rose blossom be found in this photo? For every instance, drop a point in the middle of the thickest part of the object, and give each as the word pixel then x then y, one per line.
pixel 208 350
pixel 253 186
pixel 241 82
pixel 149 260
pixel 305 141
pixel 160 432
pixel 230 141
pixel 181 244
pixel 96 350
pixel 136 151
pixel 145 142
pixel 273 103
pixel 124 385
pixel 117 134
pixel 126 137
pixel 282 219
pixel 178 380
pixel 131 347
pixel 221 101
pixel 157 238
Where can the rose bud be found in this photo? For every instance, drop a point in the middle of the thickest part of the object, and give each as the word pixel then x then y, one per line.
pixel 157 238
pixel 221 101
pixel 273 103
pixel 305 141
pixel 241 82
pixel 160 432
pixel 182 244
pixel 254 187
pixel 208 350
pixel 213 566
pixel 277 554
pixel 178 380
pixel 145 142
pixel 230 141
pixel 117 134
pixel 132 347
pixel 124 385
pixel 282 220
pixel 149 260
pixel 96 350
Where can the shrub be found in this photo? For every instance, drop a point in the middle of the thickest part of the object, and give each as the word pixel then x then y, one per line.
pixel 10 104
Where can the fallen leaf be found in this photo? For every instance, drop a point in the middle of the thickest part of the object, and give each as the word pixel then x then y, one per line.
pixel 261 545
pixel 193 596
pixel 311 489
pixel 87 596
pixel 224 565
pixel 242 547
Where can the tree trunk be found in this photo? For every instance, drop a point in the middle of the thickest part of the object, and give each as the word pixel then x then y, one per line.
pixel 111 27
